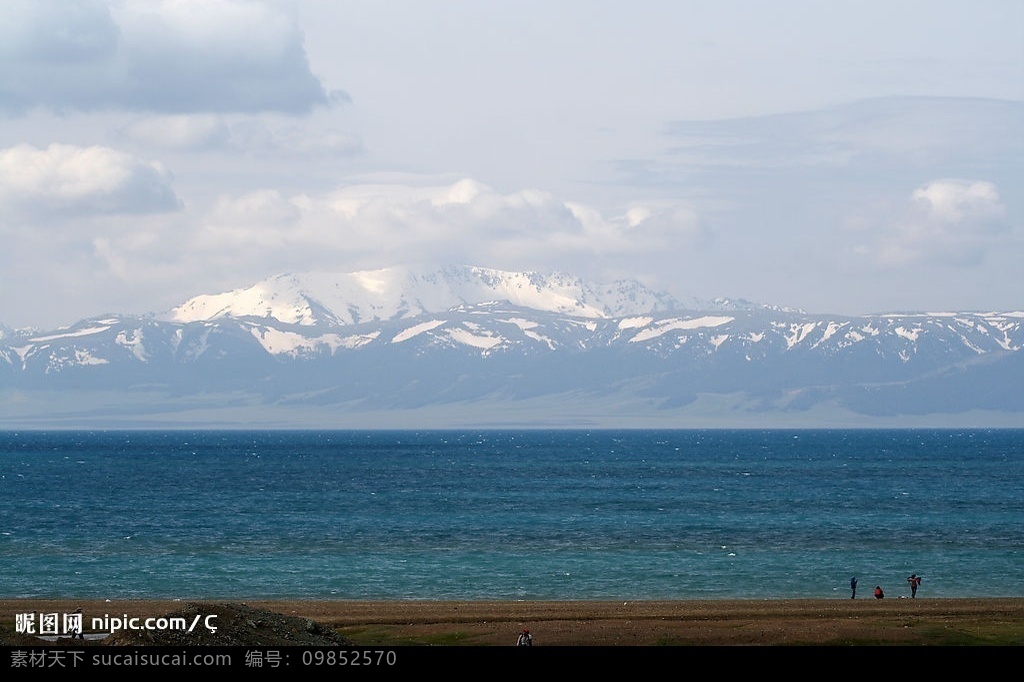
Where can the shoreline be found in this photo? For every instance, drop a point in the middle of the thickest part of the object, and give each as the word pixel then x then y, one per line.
pixel 990 621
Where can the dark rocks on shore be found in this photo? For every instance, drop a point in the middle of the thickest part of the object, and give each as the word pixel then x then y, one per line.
pixel 215 624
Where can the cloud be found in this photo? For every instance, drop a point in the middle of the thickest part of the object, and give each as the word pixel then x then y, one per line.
pixel 259 138
pixel 70 180
pixel 57 33
pixel 182 133
pixel 170 56
pixel 243 238
pixel 952 221
pixel 848 143
pixel 960 202
pixel 370 225
pixel 249 136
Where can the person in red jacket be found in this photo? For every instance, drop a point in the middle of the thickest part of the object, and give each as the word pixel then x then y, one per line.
pixel 878 592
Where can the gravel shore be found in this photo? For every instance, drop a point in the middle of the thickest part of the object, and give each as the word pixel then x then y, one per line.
pixel 973 622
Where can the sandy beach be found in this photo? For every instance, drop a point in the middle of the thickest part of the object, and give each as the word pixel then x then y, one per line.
pixel 838 622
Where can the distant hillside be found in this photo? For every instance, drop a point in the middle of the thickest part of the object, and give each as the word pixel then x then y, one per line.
pixel 461 346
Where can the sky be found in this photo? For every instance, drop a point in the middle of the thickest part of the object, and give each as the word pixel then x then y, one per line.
pixel 840 157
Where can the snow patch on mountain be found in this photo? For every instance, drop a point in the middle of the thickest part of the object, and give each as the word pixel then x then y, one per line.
pixel 634 322
pixel 416 330
pixel 87 331
pixel 133 341
pixel 910 334
pixel 473 338
pixel 527 327
pixel 799 332
pixel 665 326
pixel 319 298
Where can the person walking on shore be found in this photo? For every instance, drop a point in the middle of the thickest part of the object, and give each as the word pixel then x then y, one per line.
pixel 853 587
pixel 914 581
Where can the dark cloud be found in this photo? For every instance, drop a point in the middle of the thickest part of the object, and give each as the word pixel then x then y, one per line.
pixel 192 57
pixel 900 134
pixel 58 33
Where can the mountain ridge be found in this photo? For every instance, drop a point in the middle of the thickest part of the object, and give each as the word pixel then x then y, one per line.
pixel 405 291
pixel 473 345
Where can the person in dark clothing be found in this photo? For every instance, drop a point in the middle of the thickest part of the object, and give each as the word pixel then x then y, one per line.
pixel 853 587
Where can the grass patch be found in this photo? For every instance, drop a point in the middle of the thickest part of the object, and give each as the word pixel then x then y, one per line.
pixel 983 634
pixel 388 636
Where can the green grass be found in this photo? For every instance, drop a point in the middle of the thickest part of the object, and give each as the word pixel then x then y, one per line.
pixel 384 636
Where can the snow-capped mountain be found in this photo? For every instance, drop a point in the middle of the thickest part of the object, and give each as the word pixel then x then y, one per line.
pixel 403 292
pixel 465 345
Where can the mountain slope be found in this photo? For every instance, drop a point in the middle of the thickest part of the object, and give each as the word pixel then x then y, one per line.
pixel 403 292
pixel 463 345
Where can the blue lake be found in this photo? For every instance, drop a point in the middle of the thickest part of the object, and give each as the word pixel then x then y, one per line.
pixel 510 514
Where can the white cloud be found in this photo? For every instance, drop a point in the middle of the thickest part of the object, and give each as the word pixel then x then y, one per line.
pixel 964 203
pixel 197 132
pixel 65 179
pixel 366 225
pixel 747 206
pixel 263 139
pixel 172 56
pixel 251 136
pixel 951 221
pixel 255 222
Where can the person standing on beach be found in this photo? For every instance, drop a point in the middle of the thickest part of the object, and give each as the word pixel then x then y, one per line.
pixel 853 587
pixel 525 639
pixel 914 581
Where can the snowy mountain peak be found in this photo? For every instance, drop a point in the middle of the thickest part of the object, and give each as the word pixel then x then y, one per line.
pixel 316 298
pixel 445 339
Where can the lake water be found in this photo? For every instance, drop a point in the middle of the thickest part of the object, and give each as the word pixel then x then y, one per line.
pixel 510 514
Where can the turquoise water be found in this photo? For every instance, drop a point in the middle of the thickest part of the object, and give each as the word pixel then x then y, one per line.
pixel 510 514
